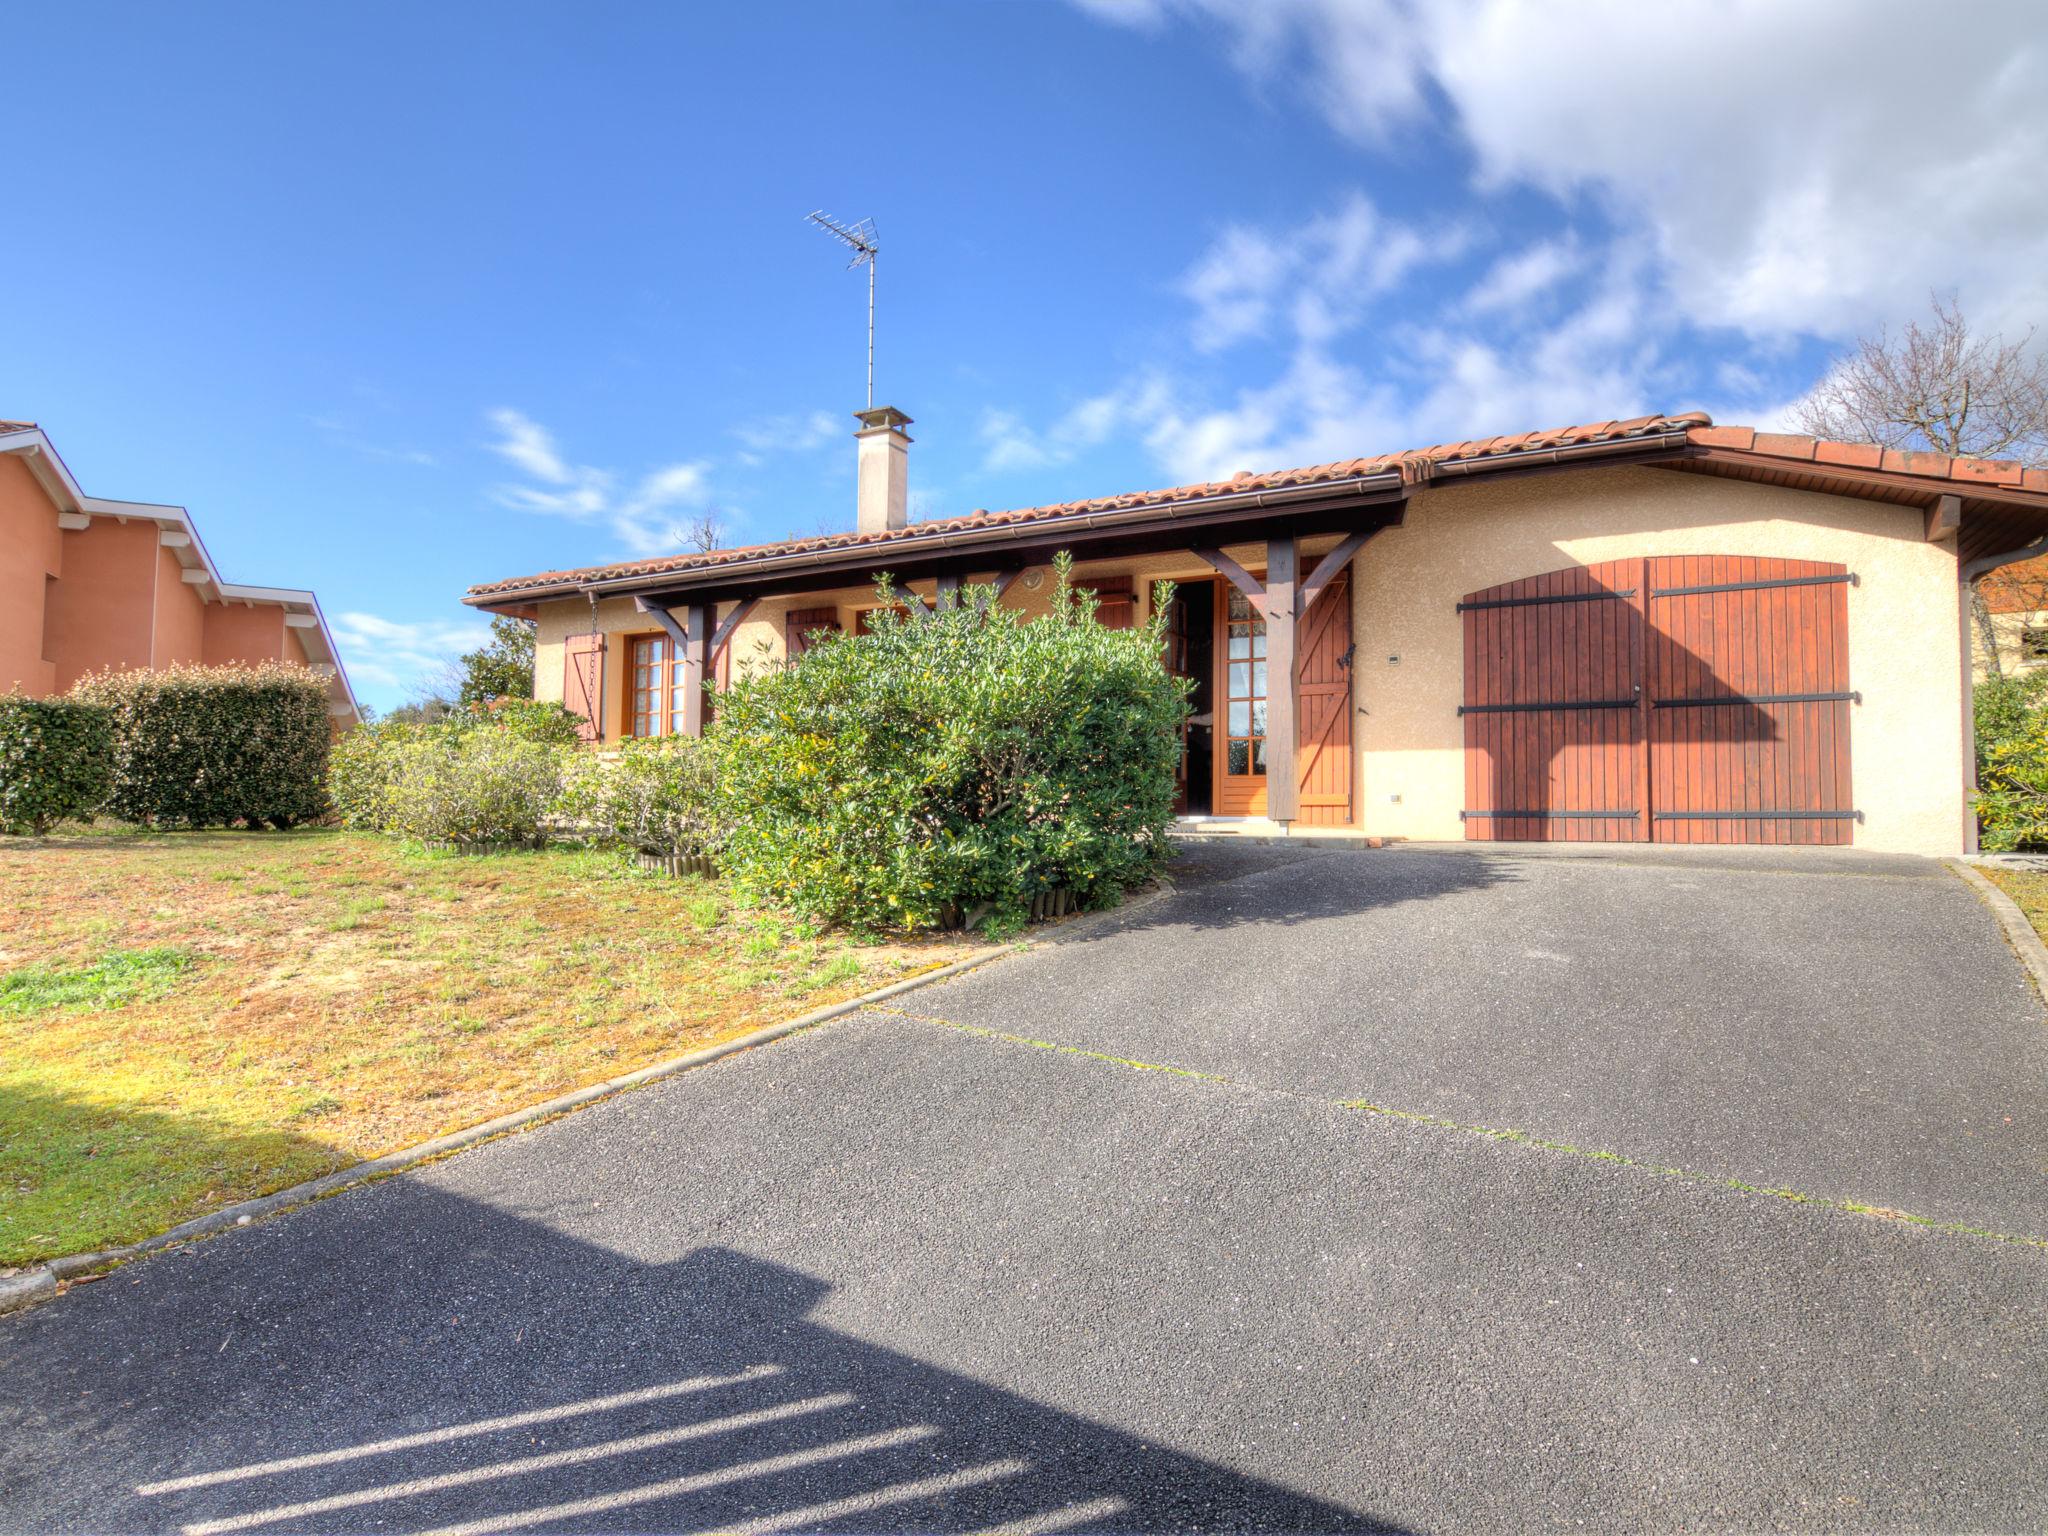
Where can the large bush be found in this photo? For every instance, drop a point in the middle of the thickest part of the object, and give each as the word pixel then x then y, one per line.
pixel 364 772
pixel 2012 762
pixel 952 765
pixel 469 786
pixel 56 762
pixel 649 794
pixel 209 746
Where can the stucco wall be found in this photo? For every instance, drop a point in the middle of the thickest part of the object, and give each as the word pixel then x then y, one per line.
pixel 102 611
pixel 1906 740
pixel 238 633
pixel 178 631
pixel 30 554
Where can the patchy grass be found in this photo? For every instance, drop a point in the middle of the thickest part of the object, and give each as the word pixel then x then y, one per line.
pixel 192 1019
pixel 2028 890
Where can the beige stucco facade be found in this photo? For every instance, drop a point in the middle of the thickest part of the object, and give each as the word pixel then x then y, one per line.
pixel 1906 742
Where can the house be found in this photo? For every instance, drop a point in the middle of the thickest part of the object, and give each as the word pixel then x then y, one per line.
pixel 2014 618
pixel 87 583
pixel 1646 630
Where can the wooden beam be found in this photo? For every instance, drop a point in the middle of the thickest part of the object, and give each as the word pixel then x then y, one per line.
pixel 696 650
pixel 733 621
pixel 1944 517
pixel 1254 591
pixel 1004 578
pixel 945 592
pixel 667 620
pixel 1283 782
pixel 1327 568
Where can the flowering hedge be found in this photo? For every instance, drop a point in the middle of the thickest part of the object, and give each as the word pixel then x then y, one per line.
pixel 56 762
pixel 950 766
pixel 210 746
pixel 649 794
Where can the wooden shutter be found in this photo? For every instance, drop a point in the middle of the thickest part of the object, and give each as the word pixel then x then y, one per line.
pixel 801 623
pixel 583 682
pixel 1116 601
pixel 1322 693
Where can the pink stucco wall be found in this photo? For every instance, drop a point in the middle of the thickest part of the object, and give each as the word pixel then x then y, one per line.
pixel 31 554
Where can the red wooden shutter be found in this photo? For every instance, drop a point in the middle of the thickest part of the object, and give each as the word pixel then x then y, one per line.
pixel 583 682
pixel 802 623
pixel 1116 601
pixel 1322 691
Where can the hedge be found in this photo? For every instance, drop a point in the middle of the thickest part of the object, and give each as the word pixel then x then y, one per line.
pixel 652 795
pixel 211 746
pixel 56 762
pixel 364 772
pixel 951 766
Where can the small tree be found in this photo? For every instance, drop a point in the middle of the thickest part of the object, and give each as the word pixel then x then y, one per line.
pixel 1940 387
pixel 501 668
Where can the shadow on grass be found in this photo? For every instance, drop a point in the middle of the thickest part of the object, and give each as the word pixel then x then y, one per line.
pixel 79 1174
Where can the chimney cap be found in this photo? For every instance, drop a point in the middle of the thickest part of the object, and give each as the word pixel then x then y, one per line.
pixel 880 418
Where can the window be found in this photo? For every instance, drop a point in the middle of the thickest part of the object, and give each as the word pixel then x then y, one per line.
pixel 1244 693
pixel 649 685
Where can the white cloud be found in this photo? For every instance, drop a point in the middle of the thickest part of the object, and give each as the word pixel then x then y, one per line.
pixel 1522 277
pixel 791 434
pixel 643 518
pixel 1815 168
pixel 1010 443
pixel 1320 276
pixel 391 653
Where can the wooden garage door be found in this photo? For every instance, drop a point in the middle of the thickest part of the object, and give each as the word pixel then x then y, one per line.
pixel 1682 699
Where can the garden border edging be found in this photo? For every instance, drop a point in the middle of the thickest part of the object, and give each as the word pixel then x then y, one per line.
pixel 2019 933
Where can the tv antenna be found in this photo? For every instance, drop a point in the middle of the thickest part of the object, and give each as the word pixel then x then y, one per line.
pixel 860 239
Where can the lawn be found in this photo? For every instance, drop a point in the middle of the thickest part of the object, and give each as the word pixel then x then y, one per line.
pixel 191 1019
pixel 2028 890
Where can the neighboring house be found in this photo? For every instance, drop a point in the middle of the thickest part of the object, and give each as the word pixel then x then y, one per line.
pixel 2016 603
pixel 87 583
pixel 1648 630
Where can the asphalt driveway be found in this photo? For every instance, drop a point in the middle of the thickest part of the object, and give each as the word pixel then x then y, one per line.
pixel 976 1265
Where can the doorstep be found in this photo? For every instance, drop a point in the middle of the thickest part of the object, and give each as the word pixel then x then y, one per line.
pixel 1258 829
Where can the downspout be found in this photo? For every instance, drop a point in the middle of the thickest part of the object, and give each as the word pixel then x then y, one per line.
pixel 1969 574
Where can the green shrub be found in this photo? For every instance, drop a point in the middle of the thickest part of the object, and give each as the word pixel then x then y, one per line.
pixel 528 719
pixel 2012 788
pixel 650 794
pixel 56 762
pixel 955 765
pixel 359 771
pixel 209 746
pixel 2003 706
pixel 469 786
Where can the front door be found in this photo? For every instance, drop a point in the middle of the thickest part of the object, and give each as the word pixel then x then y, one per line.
pixel 1241 705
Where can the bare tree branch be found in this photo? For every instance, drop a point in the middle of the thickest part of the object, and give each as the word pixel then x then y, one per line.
pixel 1937 386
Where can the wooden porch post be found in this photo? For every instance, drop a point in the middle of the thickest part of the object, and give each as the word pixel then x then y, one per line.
pixel 1283 781
pixel 945 592
pixel 696 650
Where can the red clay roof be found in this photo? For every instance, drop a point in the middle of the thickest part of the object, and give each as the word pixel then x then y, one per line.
pixel 1345 469
pixel 15 426
pixel 1697 426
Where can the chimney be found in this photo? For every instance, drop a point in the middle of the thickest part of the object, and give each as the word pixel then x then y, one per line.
pixel 883 499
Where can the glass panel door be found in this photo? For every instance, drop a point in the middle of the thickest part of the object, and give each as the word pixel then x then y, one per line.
pixel 649 683
pixel 1244 688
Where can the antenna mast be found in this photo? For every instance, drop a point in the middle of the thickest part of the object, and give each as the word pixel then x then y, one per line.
pixel 860 238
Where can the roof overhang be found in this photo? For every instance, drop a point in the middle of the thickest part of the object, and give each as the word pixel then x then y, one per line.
pixel 76 510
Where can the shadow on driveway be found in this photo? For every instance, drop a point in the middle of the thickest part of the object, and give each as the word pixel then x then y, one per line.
pixel 540 1383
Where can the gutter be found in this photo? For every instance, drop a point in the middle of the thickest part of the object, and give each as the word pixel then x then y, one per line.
pixel 1384 480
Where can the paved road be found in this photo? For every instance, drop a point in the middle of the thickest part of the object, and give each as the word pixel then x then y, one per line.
pixel 911 1273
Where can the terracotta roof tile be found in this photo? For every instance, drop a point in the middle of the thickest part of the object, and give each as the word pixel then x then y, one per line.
pixel 15 426
pixel 1413 464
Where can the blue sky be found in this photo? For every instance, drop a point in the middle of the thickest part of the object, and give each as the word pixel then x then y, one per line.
pixel 397 298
